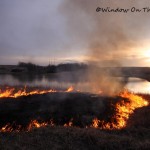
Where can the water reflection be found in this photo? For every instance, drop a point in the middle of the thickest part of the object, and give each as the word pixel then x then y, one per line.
pixel 57 81
pixel 138 85
pixel 65 80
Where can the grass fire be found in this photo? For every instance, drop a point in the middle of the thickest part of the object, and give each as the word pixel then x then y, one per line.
pixel 72 78
pixel 25 109
pixel 13 93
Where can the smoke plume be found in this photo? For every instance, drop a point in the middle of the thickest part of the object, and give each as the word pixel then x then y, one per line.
pixel 108 37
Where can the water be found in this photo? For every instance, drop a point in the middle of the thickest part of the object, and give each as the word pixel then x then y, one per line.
pixel 55 81
pixel 138 85
pixel 59 81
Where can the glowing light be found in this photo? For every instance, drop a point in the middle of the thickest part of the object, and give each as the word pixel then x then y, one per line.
pixel 126 106
pixel 70 89
pixel 12 92
pixel 146 53
pixel 123 111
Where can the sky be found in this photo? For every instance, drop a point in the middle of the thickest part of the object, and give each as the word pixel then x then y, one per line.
pixel 57 31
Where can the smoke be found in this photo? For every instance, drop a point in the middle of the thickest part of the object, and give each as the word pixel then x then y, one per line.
pixel 108 37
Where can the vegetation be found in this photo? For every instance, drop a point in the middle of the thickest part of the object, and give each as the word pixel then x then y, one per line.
pixel 64 106
pixel 71 138
pixel 52 68
pixel 29 68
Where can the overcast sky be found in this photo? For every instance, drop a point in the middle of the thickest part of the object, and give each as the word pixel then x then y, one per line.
pixel 40 31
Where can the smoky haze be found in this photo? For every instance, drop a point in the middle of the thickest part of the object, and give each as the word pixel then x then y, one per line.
pixel 108 37
pixel 31 30
pixel 36 31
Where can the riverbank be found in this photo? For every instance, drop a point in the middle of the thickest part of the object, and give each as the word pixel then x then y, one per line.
pixel 29 69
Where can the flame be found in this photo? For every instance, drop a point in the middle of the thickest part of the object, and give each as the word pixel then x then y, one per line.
pixel 123 111
pixel 70 89
pixel 69 124
pixel 126 106
pixel 95 123
pixel 6 128
pixel 32 125
pixel 13 93
pixel 36 124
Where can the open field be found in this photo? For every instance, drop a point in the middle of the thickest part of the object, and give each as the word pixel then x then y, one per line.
pixel 72 138
pixel 61 107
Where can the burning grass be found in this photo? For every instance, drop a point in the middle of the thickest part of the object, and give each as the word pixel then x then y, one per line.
pixel 38 108
pixel 15 93
pixel 74 120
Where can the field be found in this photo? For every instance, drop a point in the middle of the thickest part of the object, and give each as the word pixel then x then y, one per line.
pixel 62 107
pixel 72 138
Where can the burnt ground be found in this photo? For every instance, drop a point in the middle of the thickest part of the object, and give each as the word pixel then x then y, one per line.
pixel 62 107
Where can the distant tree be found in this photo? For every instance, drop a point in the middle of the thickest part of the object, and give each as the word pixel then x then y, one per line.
pixel 51 69
pixel 30 66
pixel 16 70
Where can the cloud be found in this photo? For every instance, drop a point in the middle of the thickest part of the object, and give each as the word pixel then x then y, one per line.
pixel 65 28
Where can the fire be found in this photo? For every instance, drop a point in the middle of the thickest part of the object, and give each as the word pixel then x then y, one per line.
pixel 70 89
pixel 13 93
pixel 123 111
pixel 6 128
pixel 36 124
pixel 95 123
pixel 32 125
pixel 69 124
pixel 126 106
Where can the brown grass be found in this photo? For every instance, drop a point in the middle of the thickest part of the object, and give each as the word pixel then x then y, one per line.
pixel 72 138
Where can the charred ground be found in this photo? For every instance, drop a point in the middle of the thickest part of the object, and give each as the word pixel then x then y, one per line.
pixel 81 108
pixel 61 107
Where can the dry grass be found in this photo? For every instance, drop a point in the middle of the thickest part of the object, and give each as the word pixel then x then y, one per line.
pixel 76 139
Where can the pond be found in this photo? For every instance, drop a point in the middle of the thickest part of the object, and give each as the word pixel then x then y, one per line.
pixel 65 80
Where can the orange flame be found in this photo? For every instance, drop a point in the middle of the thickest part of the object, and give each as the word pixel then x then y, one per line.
pixel 70 89
pixel 33 124
pixel 6 128
pixel 123 111
pixel 36 124
pixel 95 123
pixel 69 124
pixel 11 92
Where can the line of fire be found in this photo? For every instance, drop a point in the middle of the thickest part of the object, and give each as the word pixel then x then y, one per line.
pixel 25 109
